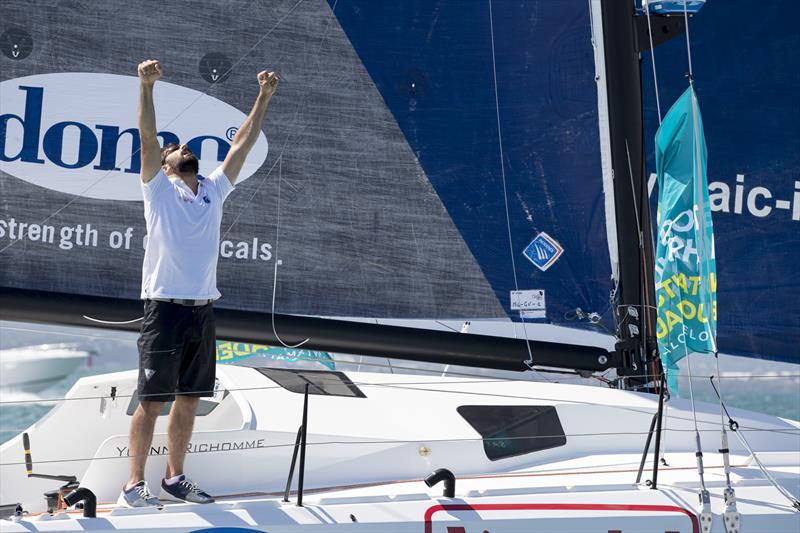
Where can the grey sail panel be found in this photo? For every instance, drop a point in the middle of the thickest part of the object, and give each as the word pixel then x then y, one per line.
pixel 362 231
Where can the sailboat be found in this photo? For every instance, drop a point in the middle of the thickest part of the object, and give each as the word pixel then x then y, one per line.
pixel 379 214
pixel 35 368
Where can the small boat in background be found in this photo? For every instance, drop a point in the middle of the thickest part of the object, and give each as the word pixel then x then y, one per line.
pixel 35 368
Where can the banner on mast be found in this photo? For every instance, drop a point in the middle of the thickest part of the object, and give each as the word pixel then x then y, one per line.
pixel 686 282
pixel 236 352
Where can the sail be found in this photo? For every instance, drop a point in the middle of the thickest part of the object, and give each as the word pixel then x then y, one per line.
pixel 685 272
pixel 750 108
pixel 420 160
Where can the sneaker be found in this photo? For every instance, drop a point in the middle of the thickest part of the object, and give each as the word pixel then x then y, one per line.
pixel 186 490
pixel 138 496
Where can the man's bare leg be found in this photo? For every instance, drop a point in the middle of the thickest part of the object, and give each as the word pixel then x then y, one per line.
pixel 141 437
pixel 179 430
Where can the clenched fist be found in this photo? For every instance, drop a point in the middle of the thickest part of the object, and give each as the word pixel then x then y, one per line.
pixel 150 71
pixel 268 81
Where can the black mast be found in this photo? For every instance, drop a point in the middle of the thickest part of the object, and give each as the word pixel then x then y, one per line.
pixel 625 36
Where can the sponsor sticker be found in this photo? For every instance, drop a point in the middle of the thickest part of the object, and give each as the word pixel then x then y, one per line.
pixel 529 303
pixel 543 251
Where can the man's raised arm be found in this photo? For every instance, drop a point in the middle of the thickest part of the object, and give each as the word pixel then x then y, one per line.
pixel 149 71
pixel 247 135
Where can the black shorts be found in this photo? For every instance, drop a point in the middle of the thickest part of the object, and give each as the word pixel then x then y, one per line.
pixel 177 351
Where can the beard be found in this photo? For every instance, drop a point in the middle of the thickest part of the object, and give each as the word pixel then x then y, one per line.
pixel 190 164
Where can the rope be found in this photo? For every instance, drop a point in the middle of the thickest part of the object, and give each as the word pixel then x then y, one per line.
pixel 688 44
pixel 358 442
pixel 278 262
pixel 724 441
pixel 529 362
pixel 410 386
pixel 735 429
pixel 279 162
pixel 653 59
pixel 642 318
pixel 111 322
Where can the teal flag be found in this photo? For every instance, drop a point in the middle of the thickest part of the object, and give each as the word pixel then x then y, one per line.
pixel 686 274
pixel 234 352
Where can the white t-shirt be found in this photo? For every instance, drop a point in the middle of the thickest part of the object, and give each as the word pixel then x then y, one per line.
pixel 180 260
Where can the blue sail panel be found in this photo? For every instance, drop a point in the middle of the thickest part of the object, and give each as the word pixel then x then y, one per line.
pixel 748 84
pixel 435 65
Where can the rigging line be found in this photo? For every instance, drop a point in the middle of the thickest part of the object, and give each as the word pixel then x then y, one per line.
pixel 724 441
pixel 278 262
pixel 653 58
pixel 474 379
pixel 405 386
pixel 565 401
pixel 734 428
pixel 360 443
pixel 688 44
pixel 112 322
pixel 529 362
pixel 399 384
pixel 644 281
pixel 446 326
pixel 795 502
pixel 280 180
pixel 79 195
pixel 286 142
pixel 115 338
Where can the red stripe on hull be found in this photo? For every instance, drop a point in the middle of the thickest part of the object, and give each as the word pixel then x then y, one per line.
pixel 556 507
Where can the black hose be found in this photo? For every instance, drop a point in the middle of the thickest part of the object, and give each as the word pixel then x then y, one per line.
pixel 443 474
pixel 82 494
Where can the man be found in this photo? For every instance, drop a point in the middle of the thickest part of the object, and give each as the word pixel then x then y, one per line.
pixel 183 212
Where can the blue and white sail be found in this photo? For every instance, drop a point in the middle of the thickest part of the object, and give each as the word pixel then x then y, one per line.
pixel 748 85
pixel 413 187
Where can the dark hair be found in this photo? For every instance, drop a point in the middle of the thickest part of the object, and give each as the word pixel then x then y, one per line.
pixel 168 148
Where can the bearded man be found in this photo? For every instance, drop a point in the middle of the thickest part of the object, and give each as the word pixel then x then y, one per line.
pixel 177 344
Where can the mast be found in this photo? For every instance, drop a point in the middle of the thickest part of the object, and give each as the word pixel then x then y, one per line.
pixel 625 36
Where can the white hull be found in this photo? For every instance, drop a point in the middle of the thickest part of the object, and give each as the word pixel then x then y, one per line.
pixel 367 456
pixel 35 368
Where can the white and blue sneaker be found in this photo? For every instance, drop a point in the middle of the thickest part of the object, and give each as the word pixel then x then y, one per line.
pixel 138 496
pixel 185 490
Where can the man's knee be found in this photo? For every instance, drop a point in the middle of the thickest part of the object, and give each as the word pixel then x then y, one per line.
pixel 185 404
pixel 186 400
pixel 150 409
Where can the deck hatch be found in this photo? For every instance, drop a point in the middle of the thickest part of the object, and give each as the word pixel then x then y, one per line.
pixel 511 430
